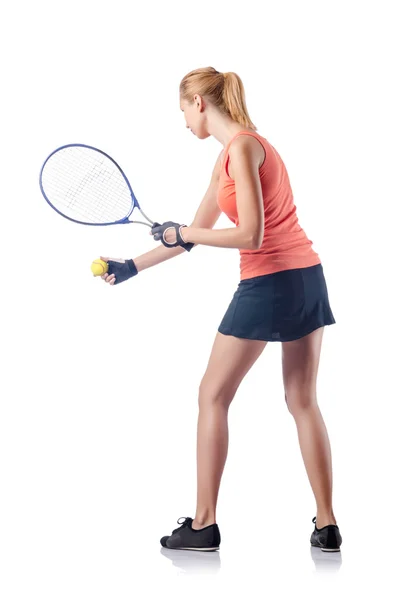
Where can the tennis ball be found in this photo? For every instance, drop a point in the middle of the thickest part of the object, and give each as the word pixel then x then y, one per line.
pixel 99 267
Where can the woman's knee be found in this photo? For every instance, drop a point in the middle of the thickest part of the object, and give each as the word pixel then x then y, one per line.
pixel 213 392
pixel 298 401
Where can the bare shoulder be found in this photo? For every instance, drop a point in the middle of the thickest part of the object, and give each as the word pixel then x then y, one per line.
pixel 246 147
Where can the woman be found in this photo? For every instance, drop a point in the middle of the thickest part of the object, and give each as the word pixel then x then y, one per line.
pixel 282 297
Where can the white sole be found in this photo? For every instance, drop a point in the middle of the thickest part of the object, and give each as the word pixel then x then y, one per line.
pixel 326 549
pixel 196 549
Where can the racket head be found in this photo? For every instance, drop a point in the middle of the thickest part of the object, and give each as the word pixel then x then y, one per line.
pixel 87 186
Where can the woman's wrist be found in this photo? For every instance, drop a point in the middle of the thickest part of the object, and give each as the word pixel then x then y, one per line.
pixel 184 233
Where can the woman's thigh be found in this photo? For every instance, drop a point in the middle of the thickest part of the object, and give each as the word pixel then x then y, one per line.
pixel 230 360
pixel 300 362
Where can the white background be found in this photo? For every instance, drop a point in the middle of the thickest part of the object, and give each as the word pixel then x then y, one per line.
pixel 99 383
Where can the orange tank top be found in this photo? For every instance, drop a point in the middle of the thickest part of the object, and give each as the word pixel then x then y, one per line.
pixel 285 244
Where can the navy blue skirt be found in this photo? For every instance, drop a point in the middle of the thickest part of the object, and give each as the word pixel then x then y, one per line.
pixel 279 307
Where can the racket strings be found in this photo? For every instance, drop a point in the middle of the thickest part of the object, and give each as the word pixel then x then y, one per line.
pixel 84 184
pixel 74 198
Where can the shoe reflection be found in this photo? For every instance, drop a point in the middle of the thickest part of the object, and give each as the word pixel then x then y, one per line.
pixel 326 561
pixel 193 562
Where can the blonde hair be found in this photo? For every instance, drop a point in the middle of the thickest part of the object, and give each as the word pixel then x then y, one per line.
pixel 223 90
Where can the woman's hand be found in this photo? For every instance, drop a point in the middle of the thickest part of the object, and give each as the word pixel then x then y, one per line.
pixel 169 236
pixel 119 270
pixel 109 278
pixel 169 233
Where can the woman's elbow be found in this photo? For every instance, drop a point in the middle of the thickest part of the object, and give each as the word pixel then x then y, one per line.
pixel 251 239
pixel 252 242
pixel 256 241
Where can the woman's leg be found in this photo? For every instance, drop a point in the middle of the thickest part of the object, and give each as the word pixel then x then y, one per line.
pixel 230 360
pixel 300 360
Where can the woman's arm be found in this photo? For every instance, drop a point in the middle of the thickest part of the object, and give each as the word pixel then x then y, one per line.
pixel 156 256
pixel 249 198
pixel 206 216
pixel 233 237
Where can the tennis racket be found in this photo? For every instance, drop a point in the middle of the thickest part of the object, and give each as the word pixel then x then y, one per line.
pixel 87 186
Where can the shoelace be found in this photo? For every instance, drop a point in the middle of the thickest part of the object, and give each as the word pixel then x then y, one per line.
pixel 314 520
pixel 183 524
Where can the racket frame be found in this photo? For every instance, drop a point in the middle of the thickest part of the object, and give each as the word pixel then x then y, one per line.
pixel 124 220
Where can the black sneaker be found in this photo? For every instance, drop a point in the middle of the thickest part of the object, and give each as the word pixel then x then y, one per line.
pixel 327 538
pixel 184 537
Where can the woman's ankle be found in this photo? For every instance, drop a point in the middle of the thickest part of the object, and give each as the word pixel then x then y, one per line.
pixel 203 520
pixel 325 518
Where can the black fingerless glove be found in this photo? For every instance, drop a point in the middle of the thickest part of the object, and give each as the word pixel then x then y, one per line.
pixel 158 234
pixel 122 270
pixel 187 245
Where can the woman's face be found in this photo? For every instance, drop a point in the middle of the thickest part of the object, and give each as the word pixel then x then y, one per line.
pixel 194 118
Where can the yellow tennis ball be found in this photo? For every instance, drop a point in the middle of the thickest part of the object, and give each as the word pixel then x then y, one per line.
pixel 99 267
